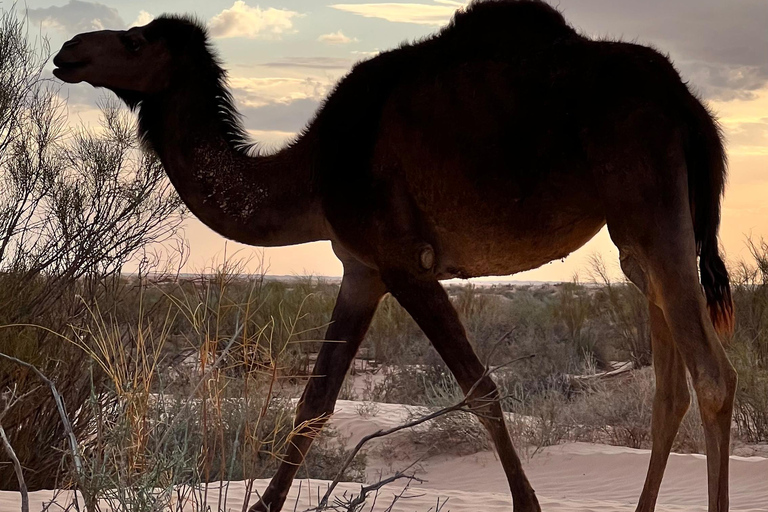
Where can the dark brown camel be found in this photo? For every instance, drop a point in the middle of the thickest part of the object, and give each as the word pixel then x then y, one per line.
pixel 503 142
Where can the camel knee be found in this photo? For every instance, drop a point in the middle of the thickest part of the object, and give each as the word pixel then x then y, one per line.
pixel 716 389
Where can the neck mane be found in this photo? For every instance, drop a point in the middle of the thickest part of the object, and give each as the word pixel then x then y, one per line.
pixel 252 198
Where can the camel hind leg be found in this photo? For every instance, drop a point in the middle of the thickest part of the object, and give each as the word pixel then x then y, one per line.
pixel 670 403
pixel 713 377
pixel 671 400
pixel 649 219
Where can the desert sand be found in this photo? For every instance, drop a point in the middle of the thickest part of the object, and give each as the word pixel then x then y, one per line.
pixel 574 477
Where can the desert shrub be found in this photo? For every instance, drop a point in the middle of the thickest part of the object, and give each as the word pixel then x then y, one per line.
pixel 748 349
pixel 615 413
pixel 489 317
pixel 750 295
pixel 576 310
pixel 327 456
pixel 751 402
pixel 456 433
pixel 394 337
pixel 217 416
pixel 541 421
pixel 74 208
pixel 619 412
pixel 623 315
pixel 430 385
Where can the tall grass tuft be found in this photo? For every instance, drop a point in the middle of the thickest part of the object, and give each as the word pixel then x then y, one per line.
pixel 75 207
pixel 749 348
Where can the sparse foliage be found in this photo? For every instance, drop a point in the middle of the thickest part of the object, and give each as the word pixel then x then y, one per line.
pixel 74 208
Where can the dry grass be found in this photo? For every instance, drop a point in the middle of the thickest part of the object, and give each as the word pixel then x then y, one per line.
pixel 158 421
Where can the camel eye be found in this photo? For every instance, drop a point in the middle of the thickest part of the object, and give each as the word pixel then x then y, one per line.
pixel 132 45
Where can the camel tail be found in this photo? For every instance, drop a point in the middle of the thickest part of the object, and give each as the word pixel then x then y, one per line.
pixel 706 161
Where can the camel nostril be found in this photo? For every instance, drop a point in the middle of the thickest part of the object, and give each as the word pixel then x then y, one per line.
pixel 72 42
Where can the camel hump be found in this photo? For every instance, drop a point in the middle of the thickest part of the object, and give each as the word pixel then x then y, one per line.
pixel 524 21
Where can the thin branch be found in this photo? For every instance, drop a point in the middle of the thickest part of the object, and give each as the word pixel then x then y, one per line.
pixel 353 503
pixel 17 469
pixel 15 400
pixel 464 405
pixel 59 405
pixel 382 433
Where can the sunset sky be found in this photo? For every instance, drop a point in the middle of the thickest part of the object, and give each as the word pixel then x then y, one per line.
pixel 285 55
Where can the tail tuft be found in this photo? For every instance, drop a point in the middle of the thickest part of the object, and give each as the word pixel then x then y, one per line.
pixel 706 178
pixel 717 289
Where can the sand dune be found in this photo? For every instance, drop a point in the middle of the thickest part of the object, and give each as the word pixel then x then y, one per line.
pixel 573 477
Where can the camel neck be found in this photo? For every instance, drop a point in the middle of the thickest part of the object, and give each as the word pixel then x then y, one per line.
pixel 264 200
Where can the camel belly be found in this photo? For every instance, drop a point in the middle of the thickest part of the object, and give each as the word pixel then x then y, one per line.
pixel 499 251
pixel 504 229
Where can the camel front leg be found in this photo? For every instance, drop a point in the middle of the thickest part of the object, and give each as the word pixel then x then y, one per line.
pixel 361 290
pixel 429 305
pixel 670 404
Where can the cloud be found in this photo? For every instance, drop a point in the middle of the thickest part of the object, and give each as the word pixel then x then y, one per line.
pixel 747 137
pixel 77 16
pixel 283 117
pixel 142 19
pixel 421 14
pixel 279 104
pixel 724 81
pixel 335 38
pixel 259 92
pixel 718 46
pixel 311 62
pixel 365 54
pixel 242 20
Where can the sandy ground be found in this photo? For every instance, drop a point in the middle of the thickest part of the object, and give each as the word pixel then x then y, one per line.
pixel 574 477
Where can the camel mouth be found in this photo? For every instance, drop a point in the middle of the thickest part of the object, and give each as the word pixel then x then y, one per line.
pixel 66 71
pixel 65 64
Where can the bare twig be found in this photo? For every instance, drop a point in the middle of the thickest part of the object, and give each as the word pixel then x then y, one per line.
pixel 464 405
pixel 354 503
pixel 17 468
pixel 59 405
pixel 385 432
pixel 15 400
pixel 399 495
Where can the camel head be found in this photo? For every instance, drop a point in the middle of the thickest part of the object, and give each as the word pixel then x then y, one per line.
pixel 140 62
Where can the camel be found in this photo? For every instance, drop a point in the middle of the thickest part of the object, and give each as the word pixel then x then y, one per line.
pixel 504 141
